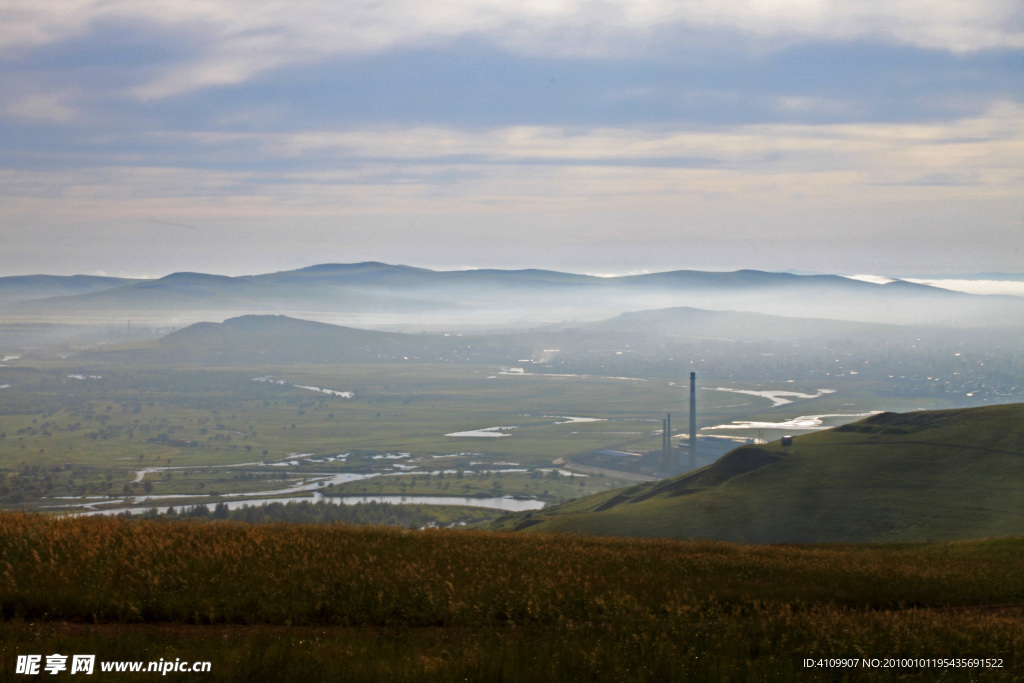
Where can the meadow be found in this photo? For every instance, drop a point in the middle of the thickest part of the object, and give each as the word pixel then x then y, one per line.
pixel 73 430
pixel 947 475
pixel 331 602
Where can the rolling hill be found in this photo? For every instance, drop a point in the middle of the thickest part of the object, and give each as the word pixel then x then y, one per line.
pixel 723 344
pixel 278 339
pixel 29 287
pixel 893 477
pixel 387 292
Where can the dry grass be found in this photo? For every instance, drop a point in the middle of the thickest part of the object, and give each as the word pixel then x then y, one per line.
pixel 441 605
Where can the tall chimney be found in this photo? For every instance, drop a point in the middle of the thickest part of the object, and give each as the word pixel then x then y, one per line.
pixel 693 420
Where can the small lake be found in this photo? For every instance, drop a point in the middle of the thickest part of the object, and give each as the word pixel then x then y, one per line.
pixel 486 432
pixel 805 422
pixel 575 420
pixel 778 398
pixel 504 504
pixel 329 392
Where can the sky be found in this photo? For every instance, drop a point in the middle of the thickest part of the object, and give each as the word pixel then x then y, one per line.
pixel 143 137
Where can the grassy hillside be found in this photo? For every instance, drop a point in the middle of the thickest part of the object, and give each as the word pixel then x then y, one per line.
pixel 930 475
pixel 329 602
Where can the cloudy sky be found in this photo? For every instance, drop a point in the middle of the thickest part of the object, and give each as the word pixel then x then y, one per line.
pixel 140 137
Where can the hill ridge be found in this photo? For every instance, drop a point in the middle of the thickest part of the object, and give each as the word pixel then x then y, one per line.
pixel 953 474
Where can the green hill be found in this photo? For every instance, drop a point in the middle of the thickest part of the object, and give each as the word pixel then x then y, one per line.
pixel 277 339
pixel 280 340
pixel 929 475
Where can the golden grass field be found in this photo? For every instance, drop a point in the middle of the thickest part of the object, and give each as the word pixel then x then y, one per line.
pixel 334 602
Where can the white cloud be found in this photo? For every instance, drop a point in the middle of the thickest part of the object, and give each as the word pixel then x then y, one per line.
pixel 244 38
pixel 431 170
pixel 27 23
pixel 40 108
pixel 981 154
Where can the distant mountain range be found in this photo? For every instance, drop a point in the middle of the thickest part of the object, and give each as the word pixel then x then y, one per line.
pixel 928 475
pixel 377 294
pixel 31 287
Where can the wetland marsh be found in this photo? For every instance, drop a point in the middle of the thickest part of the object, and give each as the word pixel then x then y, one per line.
pixel 100 437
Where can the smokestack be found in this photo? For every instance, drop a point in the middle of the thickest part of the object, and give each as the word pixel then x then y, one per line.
pixel 693 420
pixel 668 434
pixel 665 437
